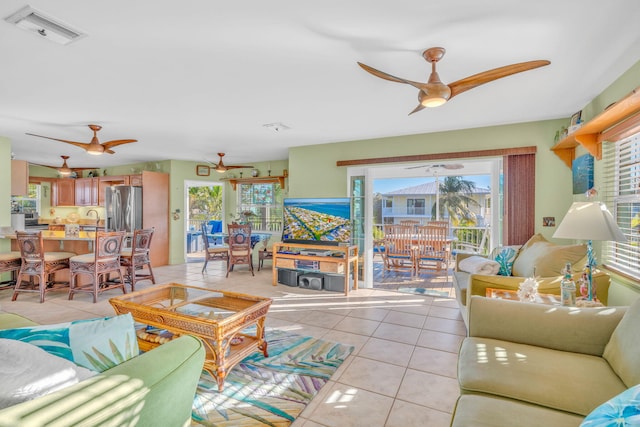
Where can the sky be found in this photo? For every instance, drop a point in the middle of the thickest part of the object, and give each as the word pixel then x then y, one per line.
pixel 391 184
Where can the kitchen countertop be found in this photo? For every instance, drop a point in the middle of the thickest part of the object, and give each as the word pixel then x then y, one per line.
pixel 56 235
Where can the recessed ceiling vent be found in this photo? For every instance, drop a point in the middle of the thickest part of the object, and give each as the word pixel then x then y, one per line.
pixel 44 26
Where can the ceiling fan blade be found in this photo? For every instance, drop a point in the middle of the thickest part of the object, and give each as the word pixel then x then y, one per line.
pixel 476 80
pixel 116 142
pixel 389 77
pixel 238 167
pixel 418 108
pixel 109 151
pixel 77 144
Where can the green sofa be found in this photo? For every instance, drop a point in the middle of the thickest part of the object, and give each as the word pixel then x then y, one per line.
pixel 531 364
pixel 155 388
pixel 548 258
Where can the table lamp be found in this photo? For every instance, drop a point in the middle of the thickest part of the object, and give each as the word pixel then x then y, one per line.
pixel 589 221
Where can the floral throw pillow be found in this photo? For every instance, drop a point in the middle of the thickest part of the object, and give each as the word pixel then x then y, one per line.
pixel 621 410
pixel 505 258
pixel 96 344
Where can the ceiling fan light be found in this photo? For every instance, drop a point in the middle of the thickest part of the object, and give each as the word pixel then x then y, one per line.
pixel 95 150
pixel 64 171
pixel 220 170
pixel 431 102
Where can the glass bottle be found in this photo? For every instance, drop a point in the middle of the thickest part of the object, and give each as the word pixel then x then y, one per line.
pixel 568 288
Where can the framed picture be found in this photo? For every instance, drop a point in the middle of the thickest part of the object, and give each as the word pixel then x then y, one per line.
pixel 576 118
pixel 548 221
pixel 582 171
pixel 203 170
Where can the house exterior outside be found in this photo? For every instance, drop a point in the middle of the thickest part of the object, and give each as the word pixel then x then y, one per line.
pixel 417 202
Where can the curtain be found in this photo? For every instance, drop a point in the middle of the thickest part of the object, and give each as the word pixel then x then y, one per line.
pixel 519 173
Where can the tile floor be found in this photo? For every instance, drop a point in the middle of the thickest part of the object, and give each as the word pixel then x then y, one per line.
pixel 401 373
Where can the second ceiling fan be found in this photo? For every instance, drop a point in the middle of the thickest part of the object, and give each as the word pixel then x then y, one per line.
pixel 93 147
pixel 220 167
pixel 435 93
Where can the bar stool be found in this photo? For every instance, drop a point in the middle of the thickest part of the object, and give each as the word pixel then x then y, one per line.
pixel 38 263
pixel 98 265
pixel 10 262
pixel 136 257
pixel 239 246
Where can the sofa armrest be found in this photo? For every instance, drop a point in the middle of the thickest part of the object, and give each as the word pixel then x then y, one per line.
pixel 155 388
pixel 577 330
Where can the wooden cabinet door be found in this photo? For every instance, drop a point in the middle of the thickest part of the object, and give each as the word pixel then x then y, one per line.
pixel 19 177
pixel 86 192
pixel 63 192
pixel 135 180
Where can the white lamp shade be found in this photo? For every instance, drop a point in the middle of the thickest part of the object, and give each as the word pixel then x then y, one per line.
pixel 589 221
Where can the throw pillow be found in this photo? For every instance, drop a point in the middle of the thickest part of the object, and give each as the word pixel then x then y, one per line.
pixel 545 259
pixel 623 409
pixel 505 257
pixel 30 372
pixel 96 344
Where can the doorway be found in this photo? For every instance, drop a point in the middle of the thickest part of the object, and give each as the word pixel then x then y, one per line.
pixel 382 206
pixel 204 202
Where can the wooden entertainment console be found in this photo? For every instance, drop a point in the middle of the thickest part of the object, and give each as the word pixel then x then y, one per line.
pixel 286 255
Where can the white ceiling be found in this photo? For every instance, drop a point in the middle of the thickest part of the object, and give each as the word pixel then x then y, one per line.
pixel 191 78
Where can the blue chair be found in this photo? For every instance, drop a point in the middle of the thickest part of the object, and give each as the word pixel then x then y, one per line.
pixel 214 226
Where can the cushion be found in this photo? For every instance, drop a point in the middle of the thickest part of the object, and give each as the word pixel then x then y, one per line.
pixel 541 258
pixel 623 347
pixel 29 372
pixel 478 265
pixel 621 410
pixel 96 344
pixel 505 256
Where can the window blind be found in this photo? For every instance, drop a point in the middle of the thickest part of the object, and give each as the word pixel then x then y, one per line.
pixel 621 193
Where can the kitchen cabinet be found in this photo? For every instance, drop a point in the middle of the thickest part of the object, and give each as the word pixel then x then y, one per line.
pixel 63 192
pixel 86 192
pixel 135 180
pixel 19 177
pixel 155 214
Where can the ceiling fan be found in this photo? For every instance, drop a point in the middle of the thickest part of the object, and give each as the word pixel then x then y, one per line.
pixel 94 147
pixel 450 166
pixel 220 167
pixel 65 170
pixel 435 93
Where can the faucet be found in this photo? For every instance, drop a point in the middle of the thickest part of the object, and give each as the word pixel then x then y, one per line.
pixel 97 215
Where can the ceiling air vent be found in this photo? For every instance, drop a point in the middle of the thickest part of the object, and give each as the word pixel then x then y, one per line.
pixel 43 26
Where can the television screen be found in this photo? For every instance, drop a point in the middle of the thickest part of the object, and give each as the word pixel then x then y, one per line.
pixel 322 219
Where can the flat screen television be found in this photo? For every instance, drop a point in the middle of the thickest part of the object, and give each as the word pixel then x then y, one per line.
pixel 325 220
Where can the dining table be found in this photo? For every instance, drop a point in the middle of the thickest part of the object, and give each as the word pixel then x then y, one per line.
pixel 255 237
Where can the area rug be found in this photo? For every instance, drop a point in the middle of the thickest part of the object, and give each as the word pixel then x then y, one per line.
pixel 424 291
pixel 270 391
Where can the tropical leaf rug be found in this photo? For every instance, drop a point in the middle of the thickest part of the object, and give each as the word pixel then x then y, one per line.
pixel 269 391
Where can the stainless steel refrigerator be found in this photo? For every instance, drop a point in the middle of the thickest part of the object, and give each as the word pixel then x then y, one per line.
pixel 123 208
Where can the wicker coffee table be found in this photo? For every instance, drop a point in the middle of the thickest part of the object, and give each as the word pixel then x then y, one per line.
pixel 219 318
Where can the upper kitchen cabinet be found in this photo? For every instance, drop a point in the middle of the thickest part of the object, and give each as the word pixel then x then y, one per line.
pixel 63 192
pixel 19 177
pixel 86 192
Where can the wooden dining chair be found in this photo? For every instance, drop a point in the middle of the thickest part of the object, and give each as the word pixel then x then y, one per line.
pixel 213 252
pixel 431 251
pixel 138 257
pixel 10 262
pixel 98 266
pixel 264 252
pixel 240 250
pixel 40 265
pixel 398 252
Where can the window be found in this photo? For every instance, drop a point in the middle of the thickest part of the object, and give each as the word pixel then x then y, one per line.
pixel 415 207
pixel 260 205
pixel 622 196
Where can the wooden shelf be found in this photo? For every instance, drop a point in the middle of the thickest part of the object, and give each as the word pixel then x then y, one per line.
pixel 600 128
pixel 256 180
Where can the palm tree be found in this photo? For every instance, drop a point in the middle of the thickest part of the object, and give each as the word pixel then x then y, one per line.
pixel 205 202
pixel 455 199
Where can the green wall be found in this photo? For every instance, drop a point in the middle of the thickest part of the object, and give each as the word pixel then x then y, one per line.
pixel 5 189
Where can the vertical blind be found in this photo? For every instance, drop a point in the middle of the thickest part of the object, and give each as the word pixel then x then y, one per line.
pixel 621 188
pixel 518 223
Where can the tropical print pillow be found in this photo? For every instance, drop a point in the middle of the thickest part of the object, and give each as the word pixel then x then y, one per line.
pixel 621 410
pixel 505 258
pixel 96 344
